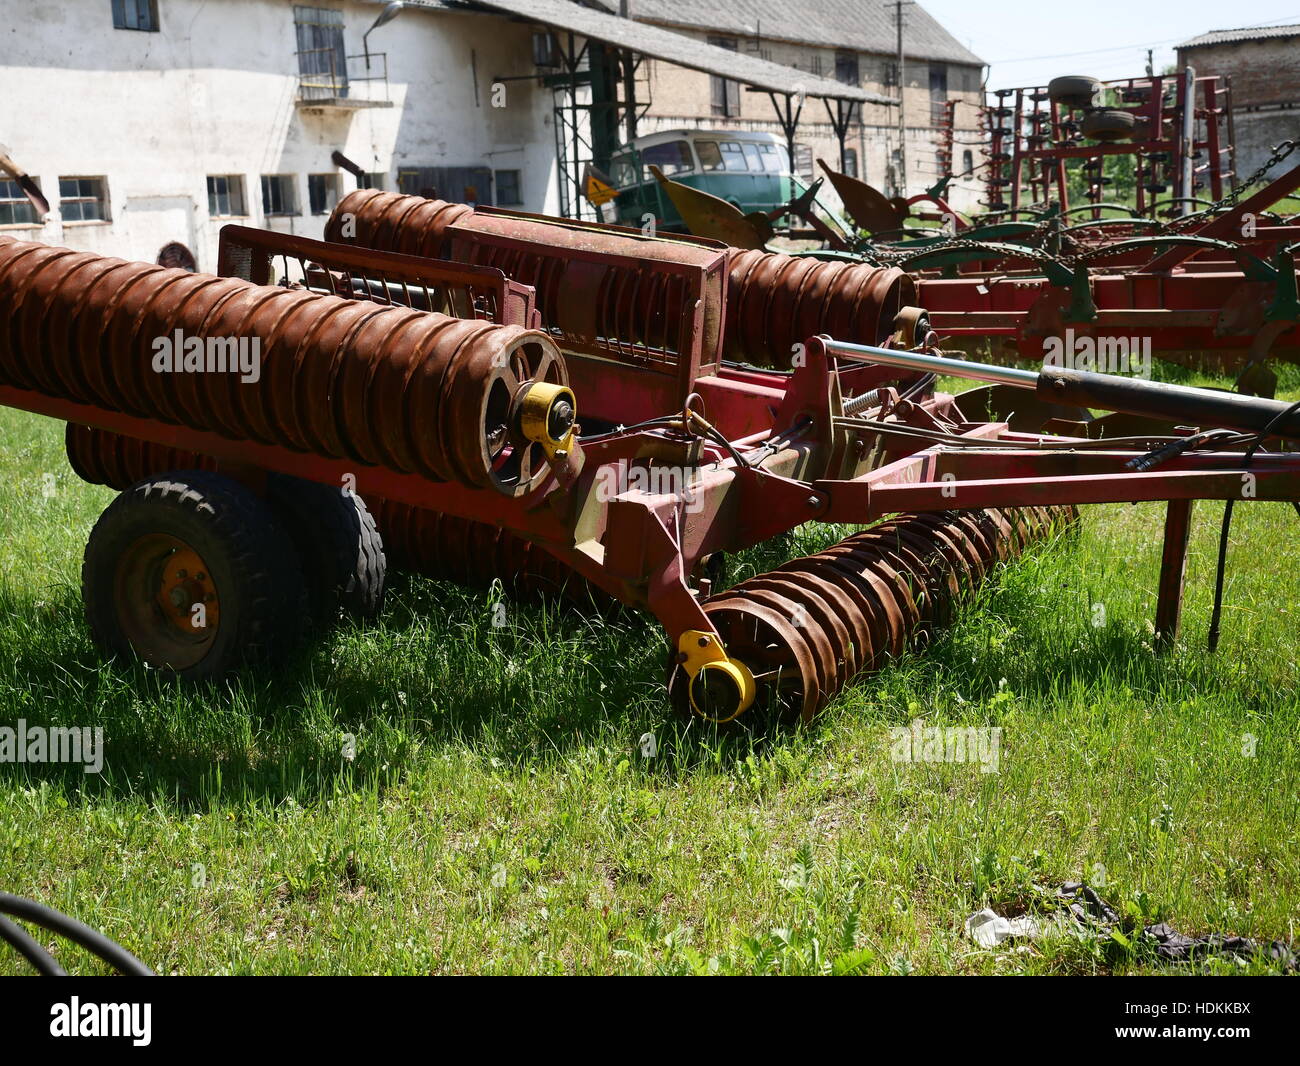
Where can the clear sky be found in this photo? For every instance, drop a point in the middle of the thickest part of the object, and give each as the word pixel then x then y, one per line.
pixel 1029 42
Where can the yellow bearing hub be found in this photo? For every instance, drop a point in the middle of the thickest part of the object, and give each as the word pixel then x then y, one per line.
pixel 547 414
pixel 721 689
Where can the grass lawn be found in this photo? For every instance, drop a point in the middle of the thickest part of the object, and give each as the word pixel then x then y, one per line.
pixel 499 815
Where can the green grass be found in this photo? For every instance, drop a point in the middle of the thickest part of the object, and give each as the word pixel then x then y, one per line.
pixel 499 816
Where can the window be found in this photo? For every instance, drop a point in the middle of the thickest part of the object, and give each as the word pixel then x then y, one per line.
pixel 846 68
pixel 622 172
pixel 15 208
pixel 454 184
pixel 507 186
pixel 135 15
pixel 710 157
pixel 83 199
pixel 851 162
pixel 373 180
pixel 278 195
pixel 725 93
pixel 967 163
pixel 815 64
pixel 733 156
pixel 322 58
pixel 938 81
pixel 753 158
pixel 771 158
pixel 323 192
pixel 672 158
pixel 226 195
pixel 545 51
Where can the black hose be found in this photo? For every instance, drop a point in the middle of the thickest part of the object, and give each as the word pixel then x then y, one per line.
pixel 1212 638
pixel 94 942
pixel 19 939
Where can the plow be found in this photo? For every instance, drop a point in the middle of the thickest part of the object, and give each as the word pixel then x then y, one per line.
pixel 579 410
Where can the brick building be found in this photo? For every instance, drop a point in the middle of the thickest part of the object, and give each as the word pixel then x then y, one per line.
pixel 1264 65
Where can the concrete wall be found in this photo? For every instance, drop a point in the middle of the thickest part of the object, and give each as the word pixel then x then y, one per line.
pixel 214 93
pixel 1265 92
pixel 681 98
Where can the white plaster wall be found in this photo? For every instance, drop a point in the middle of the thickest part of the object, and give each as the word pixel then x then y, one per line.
pixel 214 93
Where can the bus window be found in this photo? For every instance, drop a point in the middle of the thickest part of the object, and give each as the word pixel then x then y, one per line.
pixel 752 157
pixel 622 171
pixel 672 158
pixel 733 156
pixel 771 158
pixel 710 157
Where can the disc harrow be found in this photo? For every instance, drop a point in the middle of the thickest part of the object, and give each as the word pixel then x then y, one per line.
pixel 446 395
pixel 814 624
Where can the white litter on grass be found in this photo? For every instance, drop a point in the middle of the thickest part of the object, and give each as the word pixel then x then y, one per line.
pixel 989 929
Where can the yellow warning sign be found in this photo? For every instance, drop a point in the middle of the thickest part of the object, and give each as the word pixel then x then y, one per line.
pixel 596 190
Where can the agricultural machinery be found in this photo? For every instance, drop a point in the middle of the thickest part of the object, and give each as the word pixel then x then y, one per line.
pixel 575 408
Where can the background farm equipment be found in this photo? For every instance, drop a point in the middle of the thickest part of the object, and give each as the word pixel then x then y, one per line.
pixel 562 405
pixel 1215 289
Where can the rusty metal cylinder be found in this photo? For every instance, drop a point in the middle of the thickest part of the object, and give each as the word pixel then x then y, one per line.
pixel 417 540
pixel 393 222
pixel 777 301
pixel 774 301
pixel 413 391
pixel 590 280
pixel 810 626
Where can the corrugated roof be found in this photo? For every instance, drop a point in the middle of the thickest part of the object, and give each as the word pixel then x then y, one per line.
pixel 862 25
pixel 1257 33
pixel 680 50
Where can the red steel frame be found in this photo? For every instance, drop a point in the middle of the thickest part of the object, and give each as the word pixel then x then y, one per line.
pixel 1038 140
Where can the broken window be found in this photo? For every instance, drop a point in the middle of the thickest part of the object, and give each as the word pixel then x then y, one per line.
pixel 15 208
pixel 83 199
pixel 323 192
pixel 846 68
pixel 226 195
pixel 322 58
pixel 938 81
pixel 725 92
pixel 135 15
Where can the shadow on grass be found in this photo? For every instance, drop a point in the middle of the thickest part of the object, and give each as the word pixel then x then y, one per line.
pixel 448 669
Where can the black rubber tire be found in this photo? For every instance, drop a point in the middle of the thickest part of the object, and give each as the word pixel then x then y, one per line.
pixel 251 560
pixel 1074 90
pixel 1108 124
pixel 341 552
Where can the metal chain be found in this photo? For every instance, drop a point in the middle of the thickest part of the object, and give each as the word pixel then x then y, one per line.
pixel 1280 152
